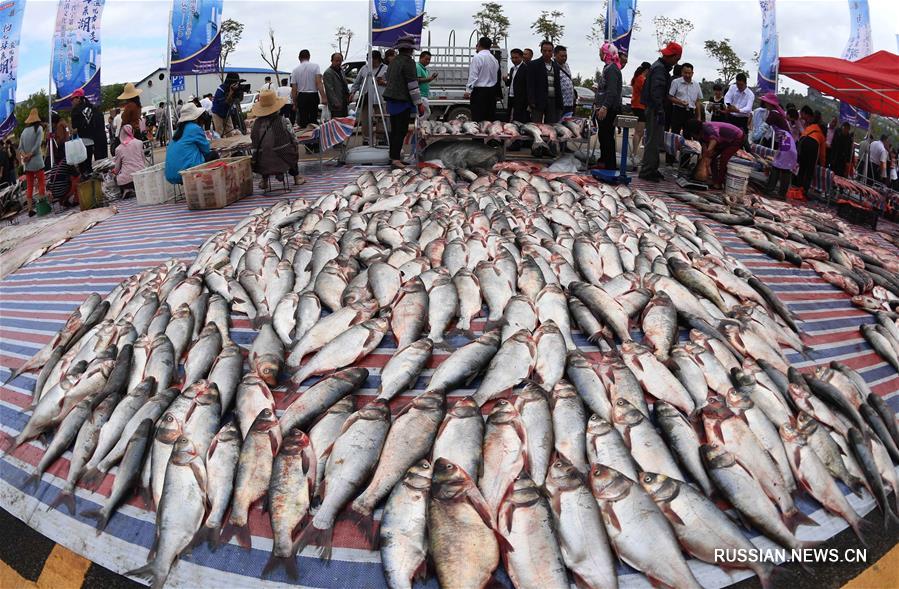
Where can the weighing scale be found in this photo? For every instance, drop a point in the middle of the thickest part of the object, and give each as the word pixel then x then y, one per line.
pixel 620 176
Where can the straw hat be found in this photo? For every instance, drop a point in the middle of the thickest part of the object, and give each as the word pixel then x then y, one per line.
pixel 33 117
pixel 267 104
pixel 190 112
pixel 406 42
pixel 129 92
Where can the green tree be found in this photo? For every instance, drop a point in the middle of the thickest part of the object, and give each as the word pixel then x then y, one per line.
pixel 729 63
pixel 548 27
pixel 109 96
pixel 40 101
pixel 491 22
pixel 598 31
pixel 231 32
pixel 671 29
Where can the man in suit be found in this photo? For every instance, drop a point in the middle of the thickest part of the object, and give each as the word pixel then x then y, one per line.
pixel 544 87
pixel 517 81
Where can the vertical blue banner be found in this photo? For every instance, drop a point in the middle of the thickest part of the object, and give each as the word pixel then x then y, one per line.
pixel 76 50
pixel 11 22
pixel 858 46
pixel 392 19
pixel 767 76
pixel 196 39
pixel 620 19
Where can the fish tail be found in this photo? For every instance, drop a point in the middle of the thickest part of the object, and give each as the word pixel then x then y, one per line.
pixel 858 524
pixel 66 498
pixel 149 571
pixel 765 573
pixel 321 538
pixel 93 478
pixel 288 562
pixel 100 515
pixel 242 533
pixel 33 481
pixel 796 518
pixel 260 320
pixel 364 522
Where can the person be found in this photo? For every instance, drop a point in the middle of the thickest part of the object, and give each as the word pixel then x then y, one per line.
pixel 129 159
pixel 832 127
pixel 11 152
pixel 482 79
pixel 87 122
pixel 179 105
pixel 738 103
pixel 840 153
pixel 336 88
pixel 720 141
pixel 527 55
pixel 607 103
pixel 131 109
pixel 811 148
pixel 638 109
pixel 654 94
pixel 784 164
pixel 878 157
pixel 189 146
pixel 111 138
pixel 30 142
pixel 715 105
pixel 62 183
pixel 684 95
pixel 402 96
pixel 566 84
pixel 206 103
pixel 275 147
pixel 517 81
pixel 225 104
pixel 162 124
pixel 307 90
pixel 57 139
pixel 425 77
pixel 389 56
pixel 283 92
pixel 760 131
pixel 267 84
pixel 5 164
pixel 363 83
pixel 544 87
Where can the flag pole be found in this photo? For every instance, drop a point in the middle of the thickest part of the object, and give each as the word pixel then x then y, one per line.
pixel 168 85
pixel 371 83
pixel 50 99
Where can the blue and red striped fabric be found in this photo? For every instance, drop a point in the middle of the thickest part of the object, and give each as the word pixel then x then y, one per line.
pixel 35 300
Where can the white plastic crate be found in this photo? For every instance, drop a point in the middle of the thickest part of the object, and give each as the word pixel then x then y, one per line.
pixel 151 187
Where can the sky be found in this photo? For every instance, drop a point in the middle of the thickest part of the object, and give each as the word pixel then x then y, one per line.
pixel 134 32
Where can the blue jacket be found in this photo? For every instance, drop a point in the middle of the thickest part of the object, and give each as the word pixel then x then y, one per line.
pixel 220 106
pixel 188 151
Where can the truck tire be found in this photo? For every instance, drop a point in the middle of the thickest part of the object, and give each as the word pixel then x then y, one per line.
pixel 463 113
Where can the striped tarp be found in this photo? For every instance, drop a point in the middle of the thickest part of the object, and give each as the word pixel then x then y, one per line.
pixel 35 301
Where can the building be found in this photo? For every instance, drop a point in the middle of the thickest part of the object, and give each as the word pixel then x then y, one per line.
pixel 154 85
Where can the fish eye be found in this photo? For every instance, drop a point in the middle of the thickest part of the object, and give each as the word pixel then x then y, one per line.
pixel 648 478
pixel 558 464
pixel 620 402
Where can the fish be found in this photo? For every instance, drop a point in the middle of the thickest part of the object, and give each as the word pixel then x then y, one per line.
pixel 328 328
pixel 443 304
pixel 403 531
pixel 344 350
pixel 460 436
pixel 505 453
pixel 659 324
pixel 533 405
pixel 866 460
pixel 655 377
pixel 403 368
pixel 511 365
pixel 569 419
pixel 465 363
pixel 684 442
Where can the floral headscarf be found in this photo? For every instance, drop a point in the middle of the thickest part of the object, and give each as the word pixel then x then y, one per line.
pixel 127 134
pixel 609 54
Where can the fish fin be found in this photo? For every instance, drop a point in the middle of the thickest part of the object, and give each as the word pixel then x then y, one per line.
pixel 671 514
pixel 64 498
pixel 611 518
pixel 312 535
pixel 421 573
pixel 466 333
pixel 93 478
pixel 146 495
pixel 99 515
pixel 33 481
pixel 477 501
pixel 364 522
pixel 796 518
pixel 142 572
pixel 288 562
pixel 260 320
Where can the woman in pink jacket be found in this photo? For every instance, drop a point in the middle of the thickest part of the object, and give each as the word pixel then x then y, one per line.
pixel 129 159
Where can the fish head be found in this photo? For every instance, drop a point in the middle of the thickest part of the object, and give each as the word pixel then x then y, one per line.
pixel 716 409
pixel 742 378
pixel 209 395
pixel 295 442
pixel 530 392
pixel 608 484
pixel 665 410
pixel 660 488
pixel 523 491
pixel 791 433
pixel 196 389
pixel 714 456
pixel 597 426
pixel 268 366
pixel 562 474
pixel 450 482
pixel 430 401
pixel 464 408
pixel 184 452
pixel 738 400
pixel 798 392
pixel 146 388
pixel 503 412
pixel 564 390
pixel 807 424
pixel 168 429
pixel 419 476
pixel 265 421
pixel 376 410
pixel 624 413
pixel 229 432
pixel 354 376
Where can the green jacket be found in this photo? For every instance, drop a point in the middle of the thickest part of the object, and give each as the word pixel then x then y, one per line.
pixel 402 81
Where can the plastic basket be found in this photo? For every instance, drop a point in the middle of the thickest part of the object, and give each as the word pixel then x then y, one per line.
pixel 737 180
pixel 151 187
pixel 90 194
pixel 242 166
pixel 217 184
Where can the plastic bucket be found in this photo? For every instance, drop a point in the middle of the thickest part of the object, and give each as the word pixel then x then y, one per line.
pixel 737 180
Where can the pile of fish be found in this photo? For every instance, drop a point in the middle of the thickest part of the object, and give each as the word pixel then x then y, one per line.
pixel 854 262
pixel 555 307
pixel 539 133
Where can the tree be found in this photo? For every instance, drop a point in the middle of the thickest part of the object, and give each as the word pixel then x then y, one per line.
pixel 426 20
pixel 109 96
pixel 343 34
pixel 492 22
pixel 271 55
pixel 40 101
pixel 548 27
pixel 598 31
pixel 671 29
pixel 729 63
pixel 231 32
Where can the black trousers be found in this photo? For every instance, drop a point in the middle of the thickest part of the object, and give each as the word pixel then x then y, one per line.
pixel 87 166
pixel 307 108
pixel 606 132
pixel 778 183
pixel 287 111
pixel 399 125
pixel 483 104
pixel 808 159
pixel 741 122
pixel 680 116
pixel 518 108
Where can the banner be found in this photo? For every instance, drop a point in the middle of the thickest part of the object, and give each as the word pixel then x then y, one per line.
pixel 11 18
pixel 858 46
pixel 76 50
pixel 620 19
pixel 767 76
pixel 196 39
pixel 392 19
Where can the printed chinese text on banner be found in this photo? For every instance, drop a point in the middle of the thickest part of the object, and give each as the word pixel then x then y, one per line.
pixel 11 16
pixel 620 19
pixel 858 46
pixel 196 39
pixel 767 77
pixel 76 50
pixel 392 19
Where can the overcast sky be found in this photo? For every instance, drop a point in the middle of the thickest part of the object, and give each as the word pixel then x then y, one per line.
pixel 134 33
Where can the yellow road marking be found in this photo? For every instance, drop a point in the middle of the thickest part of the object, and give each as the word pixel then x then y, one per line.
pixel 883 574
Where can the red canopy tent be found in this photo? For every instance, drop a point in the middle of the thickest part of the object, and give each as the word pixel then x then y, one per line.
pixel 870 83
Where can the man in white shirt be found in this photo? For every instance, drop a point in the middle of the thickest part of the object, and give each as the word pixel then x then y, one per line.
pixel 206 102
pixel 738 104
pixel 267 85
pixel 483 77
pixel 518 88
pixel 684 95
pixel 878 158
pixel 283 92
pixel 307 90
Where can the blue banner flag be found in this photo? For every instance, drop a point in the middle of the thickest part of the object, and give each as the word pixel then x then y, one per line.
pixel 620 18
pixel 392 19
pixel 858 46
pixel 11 22
pixel 76 50
pixel 767 77
pixel 196 39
